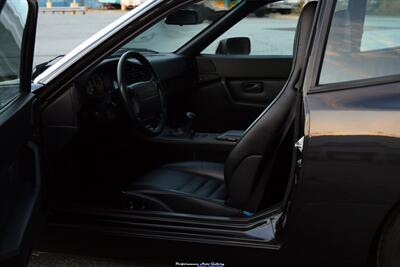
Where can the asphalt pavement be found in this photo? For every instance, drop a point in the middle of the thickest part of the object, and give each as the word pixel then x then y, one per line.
pixel 57 34
pixel 42 259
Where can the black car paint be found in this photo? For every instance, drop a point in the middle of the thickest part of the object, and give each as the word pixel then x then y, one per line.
pixel 350 171
pixel 348 184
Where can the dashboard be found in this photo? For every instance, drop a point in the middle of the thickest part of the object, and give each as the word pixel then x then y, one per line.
pixel 103 80
pixel 100 92
pixel 94 99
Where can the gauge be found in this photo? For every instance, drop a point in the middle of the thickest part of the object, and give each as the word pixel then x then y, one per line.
pixel 95 86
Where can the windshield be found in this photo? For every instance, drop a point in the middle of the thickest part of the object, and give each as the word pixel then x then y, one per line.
pixel 172 32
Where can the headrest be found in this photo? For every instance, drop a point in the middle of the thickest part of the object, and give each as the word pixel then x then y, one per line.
pixel 303 32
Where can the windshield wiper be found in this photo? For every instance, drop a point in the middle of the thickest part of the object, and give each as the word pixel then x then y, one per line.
pixel 40 68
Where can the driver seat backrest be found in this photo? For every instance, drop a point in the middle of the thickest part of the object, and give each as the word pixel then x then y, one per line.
pixel 246 163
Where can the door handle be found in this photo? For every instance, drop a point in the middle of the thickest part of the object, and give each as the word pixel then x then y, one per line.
pixel 253 87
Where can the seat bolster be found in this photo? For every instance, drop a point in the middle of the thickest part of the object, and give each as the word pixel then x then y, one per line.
pixel 178 202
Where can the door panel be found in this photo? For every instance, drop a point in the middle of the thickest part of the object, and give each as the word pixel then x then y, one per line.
pixel 351 156
pixel 19 157
pixel 233 90
pixel 19 180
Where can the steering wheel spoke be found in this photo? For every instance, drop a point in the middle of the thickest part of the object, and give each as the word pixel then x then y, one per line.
pixel 141 85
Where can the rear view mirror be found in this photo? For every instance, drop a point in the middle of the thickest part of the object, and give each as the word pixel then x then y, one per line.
pixel 234 46
pixel 184 17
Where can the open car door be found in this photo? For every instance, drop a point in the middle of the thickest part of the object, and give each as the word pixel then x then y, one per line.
pixel 19 156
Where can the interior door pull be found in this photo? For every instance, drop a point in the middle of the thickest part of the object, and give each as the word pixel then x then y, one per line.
pixel 253 87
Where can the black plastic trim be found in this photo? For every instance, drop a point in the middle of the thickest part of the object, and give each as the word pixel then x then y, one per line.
pixel 28 46
pixel 321 33
pixel 244 232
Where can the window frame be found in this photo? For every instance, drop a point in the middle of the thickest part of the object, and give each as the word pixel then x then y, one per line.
pixel 323 34
pixel 26 60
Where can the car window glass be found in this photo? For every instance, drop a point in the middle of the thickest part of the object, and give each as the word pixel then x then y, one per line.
pixel 271 30
pixel 342 5
pixel 363 43
pixel 382 25
pixel 168 35
pixel 13 16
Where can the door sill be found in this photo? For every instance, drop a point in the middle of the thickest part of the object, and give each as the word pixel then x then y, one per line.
pixel 258 231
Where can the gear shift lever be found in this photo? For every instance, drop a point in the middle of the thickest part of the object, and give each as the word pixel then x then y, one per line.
pixel 190 116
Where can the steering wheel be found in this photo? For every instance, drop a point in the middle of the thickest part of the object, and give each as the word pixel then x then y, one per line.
pixel 143 100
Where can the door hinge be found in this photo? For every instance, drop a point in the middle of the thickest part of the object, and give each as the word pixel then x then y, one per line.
pixel 300 144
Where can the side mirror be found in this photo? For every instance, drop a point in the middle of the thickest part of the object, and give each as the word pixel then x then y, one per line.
pixel 234 46
pixel 183 17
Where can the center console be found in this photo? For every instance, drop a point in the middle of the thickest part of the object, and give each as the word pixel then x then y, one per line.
pixel 207 141
pixel 190 139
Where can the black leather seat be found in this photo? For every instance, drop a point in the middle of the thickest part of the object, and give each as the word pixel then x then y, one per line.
pixel 230 189
pixel 203 179
pixel 184 187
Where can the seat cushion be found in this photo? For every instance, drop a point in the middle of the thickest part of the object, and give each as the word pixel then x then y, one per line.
pixel 202 168
pixel 187 187
pixel 203 179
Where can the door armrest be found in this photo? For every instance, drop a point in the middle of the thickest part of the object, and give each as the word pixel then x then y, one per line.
pixel 231 136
